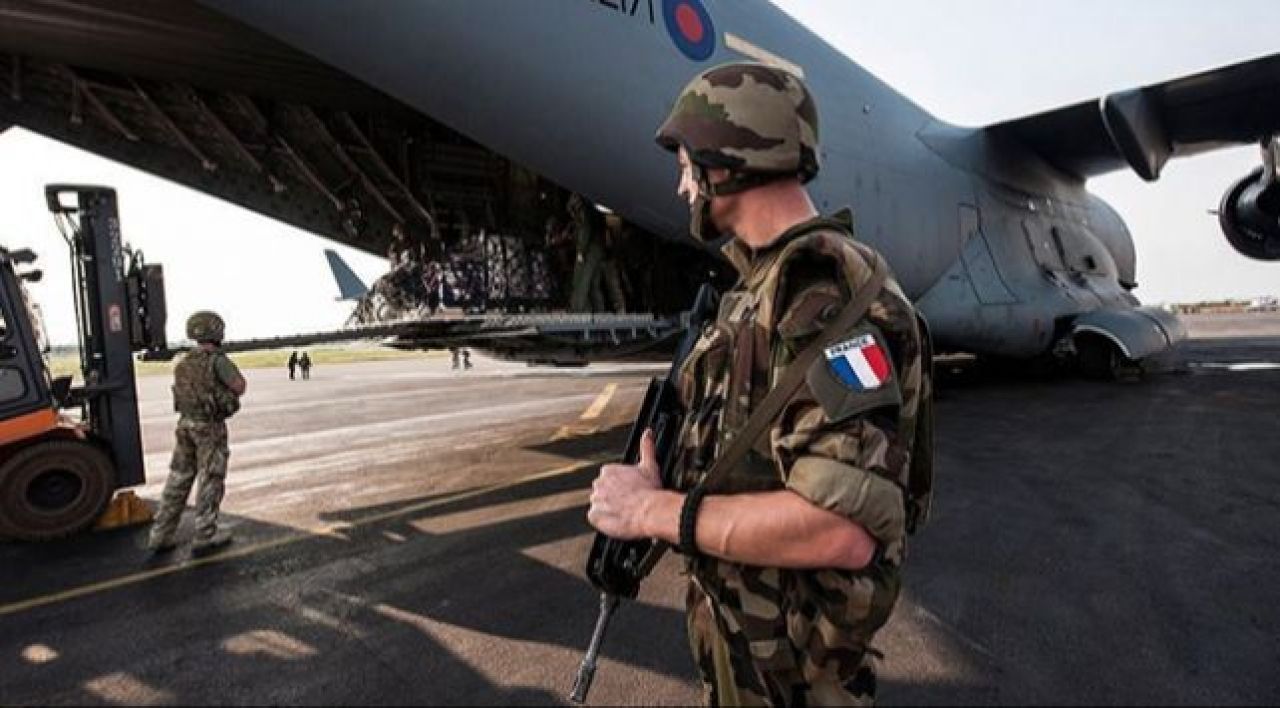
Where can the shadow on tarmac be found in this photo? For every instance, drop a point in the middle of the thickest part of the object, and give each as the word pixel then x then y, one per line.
pixel 422 613
pixel 1091 543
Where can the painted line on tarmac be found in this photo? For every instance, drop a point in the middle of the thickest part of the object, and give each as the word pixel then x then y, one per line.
pixel 597 406
pixel 592 412
pixel 322 530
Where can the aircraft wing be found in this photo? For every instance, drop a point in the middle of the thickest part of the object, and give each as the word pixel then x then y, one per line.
pixel 1143 128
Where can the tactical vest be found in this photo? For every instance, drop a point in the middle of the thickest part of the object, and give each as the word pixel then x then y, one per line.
pixel 197 392
pixel 739 357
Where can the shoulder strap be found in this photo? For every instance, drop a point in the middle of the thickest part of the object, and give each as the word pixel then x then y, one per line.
pixel 795 373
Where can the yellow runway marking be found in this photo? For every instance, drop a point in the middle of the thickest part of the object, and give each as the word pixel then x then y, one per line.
pixel 597 406
pixel 592 412
pixel 574 431
pixel 329 530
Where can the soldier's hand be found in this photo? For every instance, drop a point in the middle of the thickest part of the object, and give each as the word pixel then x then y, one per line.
pixel 620 496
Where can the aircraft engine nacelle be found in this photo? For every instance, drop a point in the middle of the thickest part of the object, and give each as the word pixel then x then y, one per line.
pixel 1250 215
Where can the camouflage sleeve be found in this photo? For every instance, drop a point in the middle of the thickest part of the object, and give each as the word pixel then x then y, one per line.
pixel 225 369
pixel 834 441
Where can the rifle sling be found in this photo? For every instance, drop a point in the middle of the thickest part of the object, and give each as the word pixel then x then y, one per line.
pixel 794 375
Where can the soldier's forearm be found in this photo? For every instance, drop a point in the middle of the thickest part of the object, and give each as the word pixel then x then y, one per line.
pixel 775 529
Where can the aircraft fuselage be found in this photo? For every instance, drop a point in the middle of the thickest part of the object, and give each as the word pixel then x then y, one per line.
pixel 997 247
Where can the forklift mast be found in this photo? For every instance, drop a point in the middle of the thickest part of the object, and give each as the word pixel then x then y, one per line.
pixel 120 309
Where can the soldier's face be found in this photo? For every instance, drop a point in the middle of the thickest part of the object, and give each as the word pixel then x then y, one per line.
pixel 688 187
pixel 717 208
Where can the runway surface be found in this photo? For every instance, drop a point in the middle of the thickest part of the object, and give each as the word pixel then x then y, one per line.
pixel 408 535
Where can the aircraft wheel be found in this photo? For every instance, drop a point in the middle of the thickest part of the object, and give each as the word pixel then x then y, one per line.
pixel 1099 358
pixel 54 488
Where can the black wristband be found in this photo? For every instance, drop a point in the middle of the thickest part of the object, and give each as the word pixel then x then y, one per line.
pixel 689 521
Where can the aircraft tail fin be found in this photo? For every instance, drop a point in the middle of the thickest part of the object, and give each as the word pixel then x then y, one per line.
pixel 350 287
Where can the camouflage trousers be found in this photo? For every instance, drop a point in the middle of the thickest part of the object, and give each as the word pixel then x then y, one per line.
pixel 200 454
pixel 732 678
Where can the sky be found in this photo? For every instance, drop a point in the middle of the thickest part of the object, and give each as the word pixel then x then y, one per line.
pixel 969 63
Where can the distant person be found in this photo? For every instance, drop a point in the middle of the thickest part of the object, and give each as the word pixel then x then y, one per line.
pixel 461 354
pixel 587 294
pixel 432 281
pixel 207 388
pixel 399 251
pixel 613 278
pixel 293 363
pixel 305 362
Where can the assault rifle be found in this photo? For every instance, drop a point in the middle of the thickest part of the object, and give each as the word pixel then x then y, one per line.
pixel 615 567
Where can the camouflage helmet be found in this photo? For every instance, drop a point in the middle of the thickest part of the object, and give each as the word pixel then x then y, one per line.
pixel 205 326
pixel 747 118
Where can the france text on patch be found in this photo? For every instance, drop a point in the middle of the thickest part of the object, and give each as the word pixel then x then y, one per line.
pixel 859 363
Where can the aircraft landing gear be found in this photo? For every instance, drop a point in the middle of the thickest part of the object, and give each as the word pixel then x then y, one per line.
pixel 1099 358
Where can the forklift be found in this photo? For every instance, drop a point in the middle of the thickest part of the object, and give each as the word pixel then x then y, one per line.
pixel 64 449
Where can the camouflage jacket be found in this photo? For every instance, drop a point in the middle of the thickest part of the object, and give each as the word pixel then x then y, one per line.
pixel 199 390
pixel 842 443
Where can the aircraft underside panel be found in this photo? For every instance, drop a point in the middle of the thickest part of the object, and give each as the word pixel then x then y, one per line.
pixel 985 278
pixel 1026 273
pixel 310 146
pixel 335 172
pixel 961 321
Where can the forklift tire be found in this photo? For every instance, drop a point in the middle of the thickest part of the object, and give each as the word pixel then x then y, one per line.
pixel 53 489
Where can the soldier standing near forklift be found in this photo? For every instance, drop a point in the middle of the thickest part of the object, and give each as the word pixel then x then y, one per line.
pixel 207 388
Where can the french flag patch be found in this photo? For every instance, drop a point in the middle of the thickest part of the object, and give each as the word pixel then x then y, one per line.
pixel 860 363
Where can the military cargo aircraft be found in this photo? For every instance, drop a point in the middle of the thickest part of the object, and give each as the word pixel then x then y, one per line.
pixel 448 120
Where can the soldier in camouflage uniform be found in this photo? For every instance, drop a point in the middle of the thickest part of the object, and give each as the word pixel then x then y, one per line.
pixel 794 559
pixel 588 274
pixel 207 388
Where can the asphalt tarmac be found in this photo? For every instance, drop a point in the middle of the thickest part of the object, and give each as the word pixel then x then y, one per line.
pixel 406 534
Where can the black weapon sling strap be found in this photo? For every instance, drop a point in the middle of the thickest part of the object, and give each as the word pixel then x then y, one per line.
pixel 795 374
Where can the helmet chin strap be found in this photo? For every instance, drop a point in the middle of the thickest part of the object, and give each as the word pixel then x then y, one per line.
pixel 742 182
pixel 701 225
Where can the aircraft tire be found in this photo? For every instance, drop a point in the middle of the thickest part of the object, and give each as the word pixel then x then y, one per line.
pixel 1099 358
pixel 54 488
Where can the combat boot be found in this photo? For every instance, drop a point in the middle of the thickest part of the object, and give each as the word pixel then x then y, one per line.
pixel 161 545
pixel 205 546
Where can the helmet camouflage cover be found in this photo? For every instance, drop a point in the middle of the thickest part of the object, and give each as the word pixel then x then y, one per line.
pixel 746 117
pixel 205 326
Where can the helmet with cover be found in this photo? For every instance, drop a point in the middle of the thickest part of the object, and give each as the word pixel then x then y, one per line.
pixel 205 326
pixel 747 118
pixel 758 122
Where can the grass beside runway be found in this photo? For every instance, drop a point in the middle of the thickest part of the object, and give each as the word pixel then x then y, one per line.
pixel 69 365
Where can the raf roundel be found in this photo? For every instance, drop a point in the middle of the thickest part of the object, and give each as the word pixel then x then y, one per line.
pixel 690 27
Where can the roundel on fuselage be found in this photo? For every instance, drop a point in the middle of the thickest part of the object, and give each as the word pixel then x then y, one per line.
pixel 690 27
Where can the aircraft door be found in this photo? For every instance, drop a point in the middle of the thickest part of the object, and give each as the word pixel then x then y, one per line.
pixel 979 264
